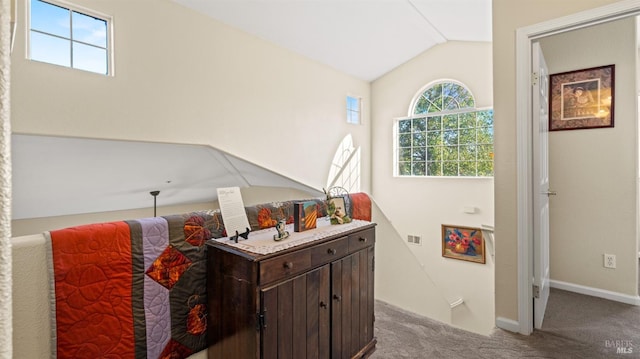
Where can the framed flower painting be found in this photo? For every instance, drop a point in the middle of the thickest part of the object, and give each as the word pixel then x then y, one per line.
pixel 464 243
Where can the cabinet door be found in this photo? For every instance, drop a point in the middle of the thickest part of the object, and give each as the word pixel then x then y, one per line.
pixel 352 303
pixel 296 317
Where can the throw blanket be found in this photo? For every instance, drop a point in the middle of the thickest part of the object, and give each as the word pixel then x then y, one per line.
pixel 134 289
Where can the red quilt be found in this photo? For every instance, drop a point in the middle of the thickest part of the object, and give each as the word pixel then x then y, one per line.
pixel 134 289
pixel 93 291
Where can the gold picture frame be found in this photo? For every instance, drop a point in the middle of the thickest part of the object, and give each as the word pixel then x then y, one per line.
pixel 463 243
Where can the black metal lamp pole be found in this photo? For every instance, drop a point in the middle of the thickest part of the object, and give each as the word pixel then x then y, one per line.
pixel 155 195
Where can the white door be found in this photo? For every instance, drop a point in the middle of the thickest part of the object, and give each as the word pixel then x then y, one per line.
pixel 541 190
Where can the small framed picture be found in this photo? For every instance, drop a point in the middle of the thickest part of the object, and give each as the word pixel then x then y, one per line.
pixel 582 99
pixel 464 243
pixel 337 211
pixel 306 216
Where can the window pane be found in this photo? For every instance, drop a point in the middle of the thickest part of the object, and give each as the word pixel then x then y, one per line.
pixel 434 153
pixel 89 29
pixel 485 152
pixel 405 154
pixel 422 106
pixel 434 94
pixel 352 117
pixel 467 168
pixel 485 118
pixel 449 103
pixel 419 139
pixel 450 169
pixel 434 123
pixel 450 122
pixel 404 126
pixel 450 153
pixel 485 168
pixel 352 103
pixel 419 124
pixel 468 153
pixel 50 49
pixel 450 138
pixel 50 18
pixel 89 58
pixel 434 138
pixel 405 140
pixel 467 120
pixel 419 154
pixel 485 135
pixel 419 169
pixel 434 169
pixel 404 168
pixel 467 136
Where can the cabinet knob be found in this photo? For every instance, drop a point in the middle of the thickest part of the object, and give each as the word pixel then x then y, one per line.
pixel 288 265
pixel 323 305
pixel 331 251
pixel 362 239
pixel 337 297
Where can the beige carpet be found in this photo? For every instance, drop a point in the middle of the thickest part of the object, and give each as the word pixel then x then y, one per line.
pixel 575 326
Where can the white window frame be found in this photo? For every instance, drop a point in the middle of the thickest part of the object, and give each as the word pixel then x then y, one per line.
pixel 82 10
pixel 411 116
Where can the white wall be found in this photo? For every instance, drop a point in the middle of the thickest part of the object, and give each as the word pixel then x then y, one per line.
pixel 594 171
pixel 508 16
pixel 419 206
pixel 181 77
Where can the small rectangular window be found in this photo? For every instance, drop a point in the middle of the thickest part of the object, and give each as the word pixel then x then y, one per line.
pixel 353 110
pixel 66 36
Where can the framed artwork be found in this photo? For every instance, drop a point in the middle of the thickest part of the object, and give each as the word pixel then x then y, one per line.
pixel 337 210
pixel 306 216
pixel 582 99
pixel 464 243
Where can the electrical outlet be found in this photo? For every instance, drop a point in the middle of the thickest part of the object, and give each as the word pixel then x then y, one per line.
pixel 609 260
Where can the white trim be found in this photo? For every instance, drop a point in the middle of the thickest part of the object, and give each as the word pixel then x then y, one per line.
pixel 596 292
pixel 524 38
pixel 508 324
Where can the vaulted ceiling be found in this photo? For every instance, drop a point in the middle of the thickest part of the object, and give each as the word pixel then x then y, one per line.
pixel 363 38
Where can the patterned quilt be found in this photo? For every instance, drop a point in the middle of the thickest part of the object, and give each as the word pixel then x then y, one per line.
pixel 134 289
pixel 137 289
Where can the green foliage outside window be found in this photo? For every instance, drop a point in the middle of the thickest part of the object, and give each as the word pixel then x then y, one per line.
pixel 446 136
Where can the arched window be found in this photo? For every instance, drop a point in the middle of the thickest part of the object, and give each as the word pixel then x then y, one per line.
pixel 445 135
pixel 345 167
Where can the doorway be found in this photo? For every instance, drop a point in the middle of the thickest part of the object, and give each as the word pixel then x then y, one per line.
pixel 525 37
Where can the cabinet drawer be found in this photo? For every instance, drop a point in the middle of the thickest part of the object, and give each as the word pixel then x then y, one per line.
pixel 361 240
pixel 329 251
pixel 284 266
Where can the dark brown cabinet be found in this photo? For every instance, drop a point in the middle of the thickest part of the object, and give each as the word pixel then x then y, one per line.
pixel 311 301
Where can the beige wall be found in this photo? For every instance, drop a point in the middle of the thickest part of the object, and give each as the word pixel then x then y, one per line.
pixel 508 16
pixel 181 77
pixel 594 171
pixel 419 206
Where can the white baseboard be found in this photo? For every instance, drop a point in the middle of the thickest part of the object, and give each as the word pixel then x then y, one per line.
pixel 508 324
pixel 595 292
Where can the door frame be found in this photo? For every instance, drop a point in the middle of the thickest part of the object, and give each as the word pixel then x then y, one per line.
pixel 524 136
